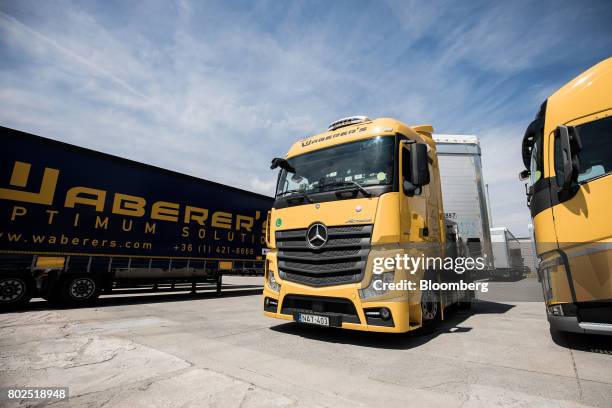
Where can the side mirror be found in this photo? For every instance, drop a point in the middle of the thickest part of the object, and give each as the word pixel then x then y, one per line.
pixel 567 147
pixel 419 169
pixel 563 158
pixel 524 175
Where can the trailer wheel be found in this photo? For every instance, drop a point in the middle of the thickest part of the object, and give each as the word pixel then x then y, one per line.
pixel 15 291
pixel 78 290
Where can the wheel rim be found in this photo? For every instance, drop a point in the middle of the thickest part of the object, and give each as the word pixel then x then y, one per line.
pixel 11 290
pixel 82 288
pixel 429 306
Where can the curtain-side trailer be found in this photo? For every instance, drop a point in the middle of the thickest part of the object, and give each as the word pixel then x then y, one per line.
pixel 75 222
pixel 463 192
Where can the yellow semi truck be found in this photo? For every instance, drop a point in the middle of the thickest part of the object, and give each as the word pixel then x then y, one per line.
pixel 362 191
pixel 568 158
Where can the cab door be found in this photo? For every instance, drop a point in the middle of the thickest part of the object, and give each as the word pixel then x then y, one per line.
pixel 414 223
pixel 583 218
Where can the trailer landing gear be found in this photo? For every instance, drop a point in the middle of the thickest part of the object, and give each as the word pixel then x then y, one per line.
pixel 219 284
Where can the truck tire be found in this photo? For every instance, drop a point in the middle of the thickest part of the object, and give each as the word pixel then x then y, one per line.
pixel 430 311
pixel 15 291
pixel 79 290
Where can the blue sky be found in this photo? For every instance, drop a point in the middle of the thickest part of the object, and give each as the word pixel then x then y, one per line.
pixel 216 89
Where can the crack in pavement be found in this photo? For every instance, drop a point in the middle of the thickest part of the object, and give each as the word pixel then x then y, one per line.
pixel 578 380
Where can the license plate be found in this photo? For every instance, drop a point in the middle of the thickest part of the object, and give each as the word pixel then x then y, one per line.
pixel 313 319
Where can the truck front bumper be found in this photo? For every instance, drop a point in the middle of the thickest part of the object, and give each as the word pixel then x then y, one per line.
pixel 571 324
pixel 343 304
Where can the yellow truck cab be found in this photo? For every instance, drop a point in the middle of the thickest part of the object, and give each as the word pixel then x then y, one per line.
pixel 362 190
pixel 568 158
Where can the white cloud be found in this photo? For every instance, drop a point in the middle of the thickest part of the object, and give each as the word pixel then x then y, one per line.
pixel 501 160
pixel 215 92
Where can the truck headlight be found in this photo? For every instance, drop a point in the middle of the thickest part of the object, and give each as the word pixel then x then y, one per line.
pixel 378 285
pixel 272 284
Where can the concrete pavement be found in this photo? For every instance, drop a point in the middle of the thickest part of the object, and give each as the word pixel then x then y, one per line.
pixel 171 349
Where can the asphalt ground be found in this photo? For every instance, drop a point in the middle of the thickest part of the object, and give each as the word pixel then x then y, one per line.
pixel 169 348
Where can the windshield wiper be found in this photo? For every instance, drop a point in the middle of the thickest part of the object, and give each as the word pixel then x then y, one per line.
pixel 296 192
pixel 353 182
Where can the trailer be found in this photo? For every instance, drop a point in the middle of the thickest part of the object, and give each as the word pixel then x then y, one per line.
pixel 509 262
pixel 75 223
pixel 463 192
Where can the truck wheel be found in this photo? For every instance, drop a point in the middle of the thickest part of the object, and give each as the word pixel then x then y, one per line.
pixel 15 291
pixel 79 290
pixel 430 311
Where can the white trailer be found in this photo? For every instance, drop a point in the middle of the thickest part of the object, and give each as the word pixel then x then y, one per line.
pixel 463 192
pixel 507 253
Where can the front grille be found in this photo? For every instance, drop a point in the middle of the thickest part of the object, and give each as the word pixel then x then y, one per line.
pixel 321 280
pixel 341 260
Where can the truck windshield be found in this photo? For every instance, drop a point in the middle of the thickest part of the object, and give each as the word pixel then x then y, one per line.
pixel 366 162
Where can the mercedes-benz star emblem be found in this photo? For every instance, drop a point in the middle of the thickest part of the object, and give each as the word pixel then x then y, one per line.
pixel 316 236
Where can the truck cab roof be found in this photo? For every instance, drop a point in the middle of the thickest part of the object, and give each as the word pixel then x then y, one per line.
pixel 582 96
pixel 362 130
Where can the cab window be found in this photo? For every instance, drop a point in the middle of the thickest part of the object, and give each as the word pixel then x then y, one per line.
pixel 537 160
pixel 596 155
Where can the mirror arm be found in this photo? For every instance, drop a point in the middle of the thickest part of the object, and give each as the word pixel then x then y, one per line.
pixel 283 164
pixel 528 194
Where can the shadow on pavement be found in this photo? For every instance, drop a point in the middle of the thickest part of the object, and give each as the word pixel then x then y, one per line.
pixel 508 279
pixel 592 343
pixel 137 297
pixel 392 340
pixel 182 288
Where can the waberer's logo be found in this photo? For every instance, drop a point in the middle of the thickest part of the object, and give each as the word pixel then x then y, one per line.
pixel 19 178
pixel 132 206
pixel 309 141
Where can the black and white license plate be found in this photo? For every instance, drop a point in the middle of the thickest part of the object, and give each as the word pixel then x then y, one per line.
pixel 313 319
